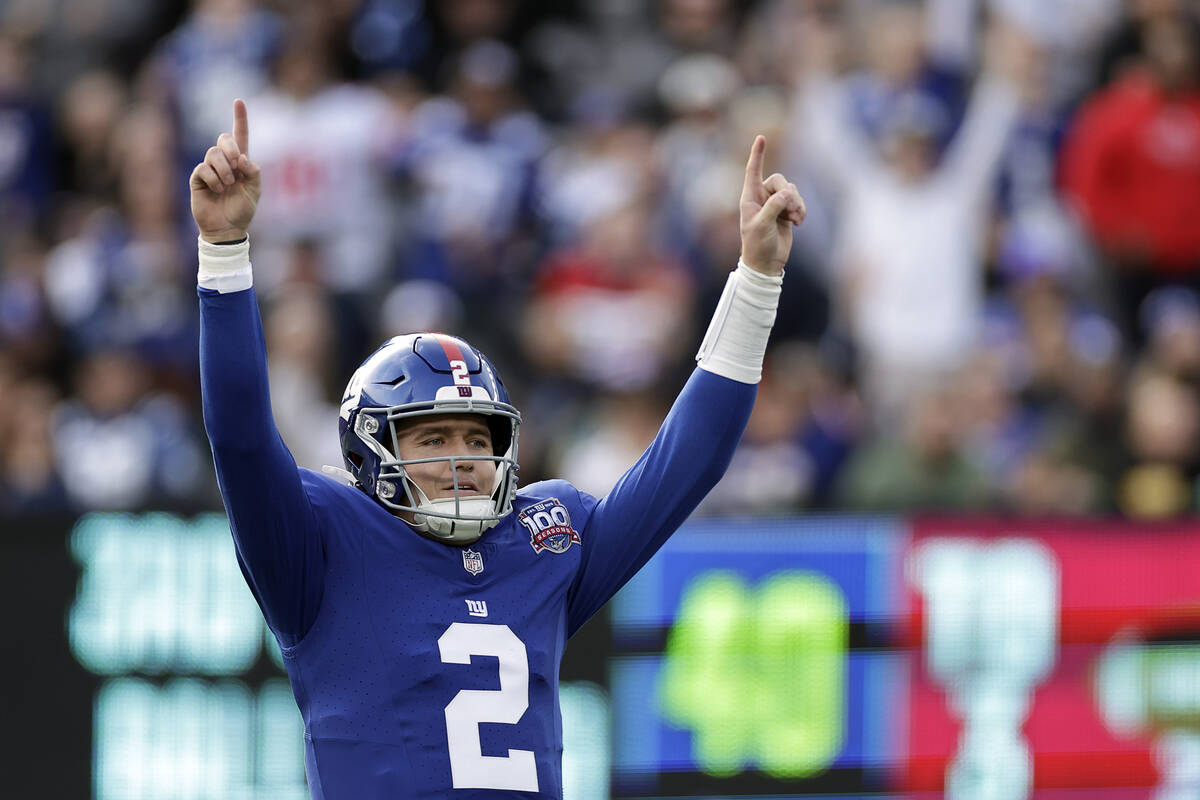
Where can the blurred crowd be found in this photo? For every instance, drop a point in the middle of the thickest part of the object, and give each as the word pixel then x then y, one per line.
pixel 993 306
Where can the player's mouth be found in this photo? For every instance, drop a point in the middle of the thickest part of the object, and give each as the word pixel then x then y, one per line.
pixel 464 487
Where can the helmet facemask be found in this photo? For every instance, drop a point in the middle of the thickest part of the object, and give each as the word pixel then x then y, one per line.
pixel 460 519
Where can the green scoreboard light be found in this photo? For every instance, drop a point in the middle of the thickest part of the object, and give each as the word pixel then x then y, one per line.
pixel 757 673
pixel 746 660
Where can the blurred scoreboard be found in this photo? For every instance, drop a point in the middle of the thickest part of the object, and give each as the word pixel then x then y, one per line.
pixel 928 658
pixel 770 658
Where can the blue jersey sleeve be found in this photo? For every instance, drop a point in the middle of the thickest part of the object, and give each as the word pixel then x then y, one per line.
pixel 650 501
pixel 275 528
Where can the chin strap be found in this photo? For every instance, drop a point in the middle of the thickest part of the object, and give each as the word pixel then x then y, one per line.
pixel 458 531
pixel 340 475
pixel 447 528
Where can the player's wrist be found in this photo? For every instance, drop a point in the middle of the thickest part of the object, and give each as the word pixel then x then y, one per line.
pixel 773 273
pixel 224 267
pixel 767 267
pixel 736 342
pixel 224 236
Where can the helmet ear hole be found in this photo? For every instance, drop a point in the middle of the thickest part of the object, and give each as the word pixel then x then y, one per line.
pixel 355 459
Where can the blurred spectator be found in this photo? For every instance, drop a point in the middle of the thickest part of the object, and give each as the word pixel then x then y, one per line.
pixel 26 330
pixel 463 23
pixel 577 321
pixel 29 480
pixel 617 56
pixel 69 37
pixel 605 64
pixel 120 281
pixel 88 114
pixel 418 305
pixel 697 90
pixel 1125 50
pixel 336 197
pixel 600 166
pixel 897 206
pixel 1162 434
pixel 1132 165
pixel 608 435
pixel 119 445
pixel 908 50
pixel 1072 36
pixel 472 161
pixel 1061 365
pixel 800 433
pixel 925 468
pixel 699 26
pixel 300 334
pixel 26 169
pixel 221 50
pixel 1171 319
pixel 1051 482
pixel 390 35
pixel 1028 179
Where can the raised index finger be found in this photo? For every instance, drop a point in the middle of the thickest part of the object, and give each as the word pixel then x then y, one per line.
pixel 241 127
pixel 754 168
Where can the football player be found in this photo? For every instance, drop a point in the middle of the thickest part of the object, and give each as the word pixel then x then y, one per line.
pixel 422 601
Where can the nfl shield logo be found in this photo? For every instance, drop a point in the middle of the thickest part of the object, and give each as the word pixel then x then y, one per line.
pixel 472 561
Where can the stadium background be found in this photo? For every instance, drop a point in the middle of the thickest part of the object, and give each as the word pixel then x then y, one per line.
pixel 955 551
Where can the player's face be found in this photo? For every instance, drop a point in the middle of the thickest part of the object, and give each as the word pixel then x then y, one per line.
pixel 439 436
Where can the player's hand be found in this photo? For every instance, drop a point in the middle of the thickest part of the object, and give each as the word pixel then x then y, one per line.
pixel 769 209
pixel 226 185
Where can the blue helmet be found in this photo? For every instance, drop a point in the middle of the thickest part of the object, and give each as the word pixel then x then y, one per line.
pixel 416 375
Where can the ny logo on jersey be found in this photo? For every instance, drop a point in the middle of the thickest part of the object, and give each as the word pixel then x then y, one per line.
pixel 472 561
pixel 477 608
pixel 549 526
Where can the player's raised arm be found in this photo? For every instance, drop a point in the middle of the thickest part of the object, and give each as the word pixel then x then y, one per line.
pixel 696 442
pixel 278 541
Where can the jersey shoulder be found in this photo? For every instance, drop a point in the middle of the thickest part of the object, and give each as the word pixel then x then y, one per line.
pixel 331 496
pixel 579 503
pixel 542 490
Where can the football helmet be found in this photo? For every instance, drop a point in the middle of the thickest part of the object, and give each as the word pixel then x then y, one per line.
pixel 416 375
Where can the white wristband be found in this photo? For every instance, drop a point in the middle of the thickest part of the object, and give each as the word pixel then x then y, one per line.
pixel 736 340
pixel 224 267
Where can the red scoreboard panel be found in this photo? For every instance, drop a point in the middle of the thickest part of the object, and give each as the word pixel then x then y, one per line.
pixel 1061 655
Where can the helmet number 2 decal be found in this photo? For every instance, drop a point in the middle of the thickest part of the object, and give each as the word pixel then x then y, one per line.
pixel 459 370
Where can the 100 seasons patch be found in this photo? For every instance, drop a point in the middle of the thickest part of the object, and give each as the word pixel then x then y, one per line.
pixel 549 526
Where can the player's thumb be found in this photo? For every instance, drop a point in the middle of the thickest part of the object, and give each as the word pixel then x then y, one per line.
pixel 251 176
pixel 776 204
pixel 249 168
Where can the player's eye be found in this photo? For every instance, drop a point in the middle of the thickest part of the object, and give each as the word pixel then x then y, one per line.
pixel 481 443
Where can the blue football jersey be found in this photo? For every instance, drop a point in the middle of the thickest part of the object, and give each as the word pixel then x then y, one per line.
pixel 423 669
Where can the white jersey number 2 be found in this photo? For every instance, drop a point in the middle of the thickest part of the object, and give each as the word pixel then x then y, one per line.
pixel 469 768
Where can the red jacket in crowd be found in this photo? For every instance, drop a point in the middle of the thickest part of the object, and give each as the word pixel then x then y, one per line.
pixel 1132 164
